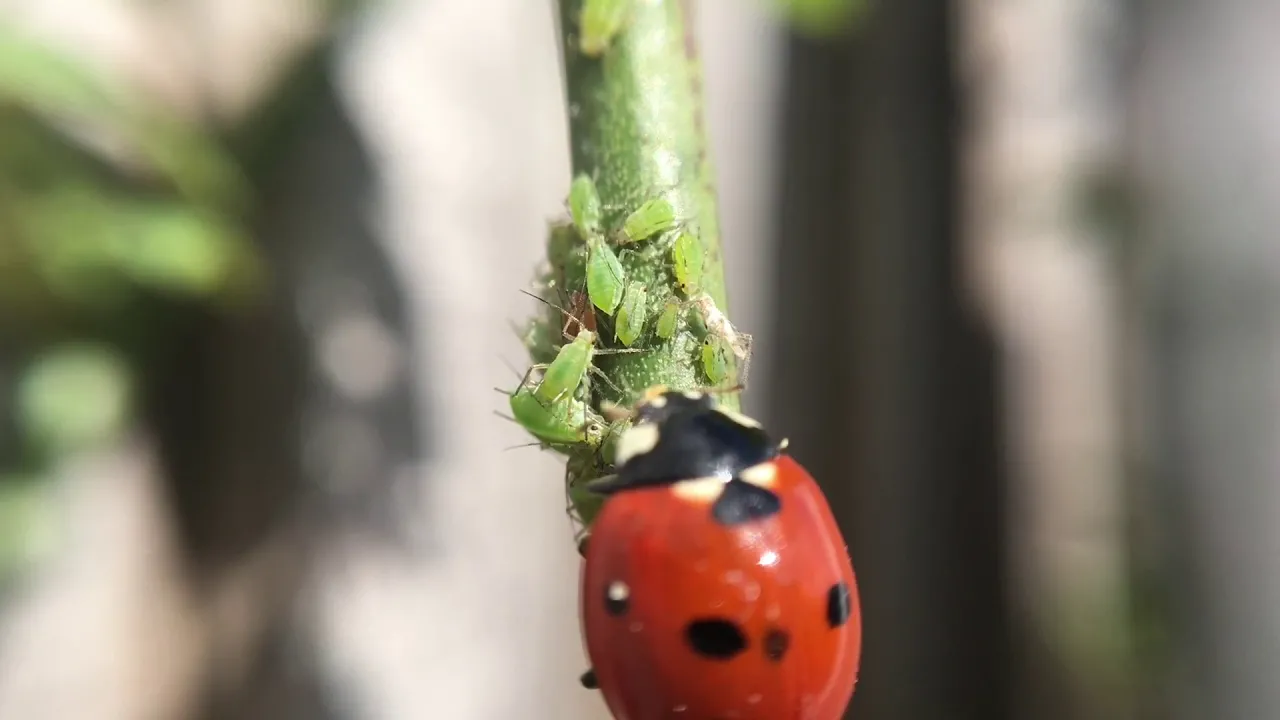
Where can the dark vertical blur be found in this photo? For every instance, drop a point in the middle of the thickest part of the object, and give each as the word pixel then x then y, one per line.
pixel 239 404
pixel 886 381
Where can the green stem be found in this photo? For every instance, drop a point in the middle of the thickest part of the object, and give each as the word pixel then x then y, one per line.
pixel 636 127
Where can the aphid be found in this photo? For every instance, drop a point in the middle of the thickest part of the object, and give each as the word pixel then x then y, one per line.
pixel 581 315
pixel 599 23
pixel 631 315
pixel 686 258
pixel 567 421
pixel 572 362
pixel 669 320
pixel 605 276
pixel 654 216
pixel 715 358
pixel 551 409
pixel 561 378
pixel 739 343
pixel 584 207
pixel 767 621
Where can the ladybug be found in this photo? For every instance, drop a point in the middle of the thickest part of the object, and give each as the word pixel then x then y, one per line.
pixel 716 583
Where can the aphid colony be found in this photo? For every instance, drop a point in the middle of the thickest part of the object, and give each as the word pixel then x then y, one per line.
pixel 598 310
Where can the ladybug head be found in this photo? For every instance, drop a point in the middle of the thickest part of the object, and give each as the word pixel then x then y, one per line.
pixel 679 436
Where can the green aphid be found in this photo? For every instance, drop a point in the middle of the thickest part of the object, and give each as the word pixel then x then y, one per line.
pixel 565 422
pixel 651 218
pixel 599 23
pixel 686 257
pixel 584 206
pixel 669 320
pixel 560 379
pixel 605 276
pixel 631 315
pixel 715 358
pixel 551 410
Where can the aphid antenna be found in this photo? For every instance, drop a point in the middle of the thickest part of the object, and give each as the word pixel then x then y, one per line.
pixel 509 366
pixel 622 351
pixel 552 305
pixel 521 447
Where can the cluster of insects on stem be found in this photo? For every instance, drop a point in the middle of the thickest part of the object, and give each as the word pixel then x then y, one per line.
pixel 595 309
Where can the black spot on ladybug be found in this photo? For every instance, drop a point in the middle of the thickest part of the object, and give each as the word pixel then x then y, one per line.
pixel 717 639
pixel 582 546
pixel 589 681
pixel 694 440
pixel 838 605
pixel 776 643
pixel 741 502
pixel 617 598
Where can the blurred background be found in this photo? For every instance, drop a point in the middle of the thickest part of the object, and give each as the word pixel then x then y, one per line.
pixel 1011 268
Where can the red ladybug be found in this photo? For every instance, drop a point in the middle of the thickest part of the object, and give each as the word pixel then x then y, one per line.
pixel 716 583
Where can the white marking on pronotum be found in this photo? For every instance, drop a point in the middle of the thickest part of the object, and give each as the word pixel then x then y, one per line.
pixel 658 401
pixel 692 395
pixel 700 490
pixel 786 443
pixel 739 418
pixel 637 440
pixel 618 591
pixel 763 475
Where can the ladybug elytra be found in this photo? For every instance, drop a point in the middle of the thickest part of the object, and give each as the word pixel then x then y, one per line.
pixel 716 582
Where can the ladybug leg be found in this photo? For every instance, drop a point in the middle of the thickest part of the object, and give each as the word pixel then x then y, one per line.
pixel 588 680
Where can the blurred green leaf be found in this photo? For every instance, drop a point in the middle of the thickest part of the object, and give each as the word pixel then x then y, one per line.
pixel 74 396
pixel 173 248
pixel 198 167
pixel 80 235
pixel 40 79
pixel 37 77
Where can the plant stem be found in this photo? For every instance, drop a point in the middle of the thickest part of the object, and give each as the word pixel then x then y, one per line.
pixel 636 127
pixel 636 130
